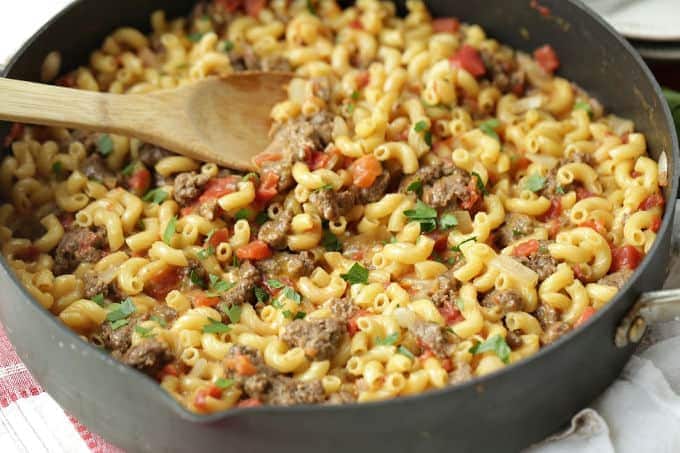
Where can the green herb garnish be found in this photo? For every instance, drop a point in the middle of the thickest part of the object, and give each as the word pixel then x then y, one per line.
pixel 495 344
pixel 420 126
pixel 457 249
pixel 416 187
pixel 115 325
pixel 144 332
pixel 448 221
pixel 403 350
pixel 489 128
pixel 276 284
pixel 261 294
pixel 428 138
pixel 234 313
pixel 205 253
pixel 226 46
pixel 242 214
pixel 460 304
pixel 261 217
pixel 355 95
pixel 388 340
pixel 98 299
pixel 583 105
pixel 330 242
pixel 356 274
pixel 224 383
pixel 129 168
pixel 196 279
pixel 290 293
pixel 161 322
pixel 122 311
pixel 560 190
pixel 194 37
pixel 534 182
pixel 218 285
pixel 480 184
pixel 157 196
pixel 311 7
pixel 105 145
pixel 170 229
pixel 426 215
pixel 215 326
pixel 57 168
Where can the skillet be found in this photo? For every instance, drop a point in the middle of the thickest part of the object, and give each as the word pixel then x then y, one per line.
pixel 504 411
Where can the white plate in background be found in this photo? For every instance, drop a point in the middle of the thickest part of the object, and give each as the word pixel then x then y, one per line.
pixel 650 20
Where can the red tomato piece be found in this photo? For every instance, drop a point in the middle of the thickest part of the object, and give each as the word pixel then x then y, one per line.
pixel 140 181
pixel 256 250
pixel 201 299
pixel 474 195
pixel 656 223
pixel 229 5
pixel 595 225
pixel 250 402
pixel 554 211
pixel 267 156
pixel 446 25
pixel 15 132
pixel 363 78
pixel 352 326
pixel 218 237
pixel 582 193
pixel 526 248
pixel 364 170
pixel 66 219
pixel 241 364
pixel 169 369
pixel 440 240
pixel 625 257
pixel 546 57
pixel 652 201
pixel 28 253
pixel 588 312
pixel 163 282
pixel 450 313
pixel 447 364
pixel 316 160
pixel 253 7
pixel 468 58
pixel 356 24
pixel 217 187
pixel 268 187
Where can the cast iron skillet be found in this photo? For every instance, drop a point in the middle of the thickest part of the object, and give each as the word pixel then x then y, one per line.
pixel 502 412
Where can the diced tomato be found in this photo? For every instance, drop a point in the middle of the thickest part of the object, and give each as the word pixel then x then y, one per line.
pixel 140 181
pixel 217 187
pixel 526 248
pixel 67 80
pixel 169 370
pixel 446 25
pixel 440 240
pixel 202 394
pixel 363 78
pixel 352 326
pixel 267 156
pixel 218 237
pixel 468 58
pixel 268 187
pixel 250 402
pixel 554 211
pixel 542 10
pixel 450 313
pixel 364 170
pixel 163 282
pixel 588 312
pixel 447 364
pixel 241 364
pixel 582 192
pixel 15 132
pixel 316 160
pixel 201 299
pixel 256 250
pixel 29 253
pixel 578 273
pixel 356 24
pixel 553 228
pixel 186 210
pixel 229 5
pixel 625 257
pixel 473 197
pixel 66 219
pixel 253 7
pixel 427 352
pixel 652 201
pixel 546 57
pixel 520 163
pixel 656 223
pixel 595 225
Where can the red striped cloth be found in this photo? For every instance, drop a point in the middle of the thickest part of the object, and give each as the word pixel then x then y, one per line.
pixel 16 386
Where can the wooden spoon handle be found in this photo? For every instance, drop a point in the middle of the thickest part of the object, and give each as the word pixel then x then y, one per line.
pixel 37 103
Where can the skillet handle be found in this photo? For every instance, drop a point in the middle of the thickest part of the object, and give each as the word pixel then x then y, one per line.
pixel 651 307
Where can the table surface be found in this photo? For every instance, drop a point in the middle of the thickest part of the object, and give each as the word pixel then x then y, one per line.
pixel 28 15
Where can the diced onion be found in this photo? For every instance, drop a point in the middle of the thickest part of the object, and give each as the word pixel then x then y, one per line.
pixel 405 317
pixel 663 169
pixel 514 269
pixel 464 221
pixel 620 126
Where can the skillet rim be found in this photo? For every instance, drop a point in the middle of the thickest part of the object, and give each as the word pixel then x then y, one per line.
pixel 138 378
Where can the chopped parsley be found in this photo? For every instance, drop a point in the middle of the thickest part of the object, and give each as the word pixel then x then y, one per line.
pixel 157 196
pixel 517 233
pixel 489 128
pixel 234 313
pixel 350 108
pixel 218 285
pixel 289 315
pixel 277 304
pixel 129 168
pixel 560 190
pixel 122 311
pixel 98 299
pixel 448 221
pixel 428 138
pixel 224 383
pixel 252 176
pixel 420 126
pixel 290 293
pixel 355 95
pixel 543 249
pixel 170 229
pixel 495 344
pixel 161 322
pixel 226 46
pixel 416 187
pixel 460 304
pixel 215 326
pixel 311 7
pixel 105 145
pixel 205 253
pixel 196 279
pixel 426 215
pixel 356 274
pixel 388 340
pixel 480 184
pixel 57 168
pixel 243 213
pixel 324 187
pixel 534 182
pixel 403 350
pixel 194 37
pixel 115 325
pixel 234 261
pixel 583 105
pixel 330 242
pixel 144 332
pixel 261 294
pixel 275 284
pixel 457 247
pixel 261 217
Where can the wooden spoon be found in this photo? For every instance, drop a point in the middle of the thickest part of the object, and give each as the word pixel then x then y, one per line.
pixel 222 120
